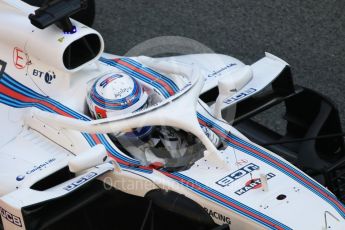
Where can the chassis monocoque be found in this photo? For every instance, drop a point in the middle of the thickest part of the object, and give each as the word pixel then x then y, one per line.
pixel 61 169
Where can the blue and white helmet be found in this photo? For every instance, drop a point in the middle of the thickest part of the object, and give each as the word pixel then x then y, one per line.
pixel 115 94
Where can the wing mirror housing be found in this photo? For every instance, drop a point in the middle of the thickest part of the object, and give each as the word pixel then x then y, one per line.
pixel 229 84
pixel 92 157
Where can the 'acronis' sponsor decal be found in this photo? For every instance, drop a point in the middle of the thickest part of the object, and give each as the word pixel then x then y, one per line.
pixel 253 184
pixel 218 216
pixel 80 181
pixel 10 217
pixel 225 181
pixel 239 96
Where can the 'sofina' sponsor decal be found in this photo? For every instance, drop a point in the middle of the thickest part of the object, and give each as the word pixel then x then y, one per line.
pixel 36 168
pixel 225 181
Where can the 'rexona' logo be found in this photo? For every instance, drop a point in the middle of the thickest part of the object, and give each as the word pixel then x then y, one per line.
pixel 237 174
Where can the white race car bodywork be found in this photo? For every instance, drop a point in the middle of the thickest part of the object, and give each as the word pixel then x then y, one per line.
pixel 226 183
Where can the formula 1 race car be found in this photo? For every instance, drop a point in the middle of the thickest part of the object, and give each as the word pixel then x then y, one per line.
pixel 91 140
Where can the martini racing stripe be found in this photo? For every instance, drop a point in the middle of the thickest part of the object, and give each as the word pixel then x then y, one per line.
pixel 94 139
pixel 276 163
pixel 139 69
pixel 154 73
pixel 226 201
pixel 26 91
pixel 17 95
pixel 17 104
pixel 165 87
pixel 30 101
pixel 136 75
pixel 230 136
pixel 233 137
pixel 11 83
pixel 240 141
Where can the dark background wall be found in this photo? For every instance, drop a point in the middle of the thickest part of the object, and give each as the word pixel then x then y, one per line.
pixel 307 34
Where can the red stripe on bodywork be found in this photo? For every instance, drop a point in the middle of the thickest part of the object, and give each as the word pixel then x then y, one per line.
pixel 189 184
pixel 158 80
pixel 9 92
pixel 276 163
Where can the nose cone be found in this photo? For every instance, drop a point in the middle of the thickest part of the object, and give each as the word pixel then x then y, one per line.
pixel 284 203
pixel 298 208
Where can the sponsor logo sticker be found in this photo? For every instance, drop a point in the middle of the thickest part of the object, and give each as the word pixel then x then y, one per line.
pixel 237 97
pixel 218 216
pixel 19 58
pixel 10 217
pixel 80 181
pixel 20 177
pixel 35 169
pixel 253 184
pixel 100 113
pixel 226 181
pixel 47 76
pixel 39 167
pixel 215 73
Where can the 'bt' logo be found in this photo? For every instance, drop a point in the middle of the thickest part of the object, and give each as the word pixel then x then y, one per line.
pixel 48 76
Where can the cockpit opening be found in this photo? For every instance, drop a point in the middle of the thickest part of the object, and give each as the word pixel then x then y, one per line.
pixel 160 147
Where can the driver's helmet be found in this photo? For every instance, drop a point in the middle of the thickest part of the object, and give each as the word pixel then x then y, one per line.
pixel 116 94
